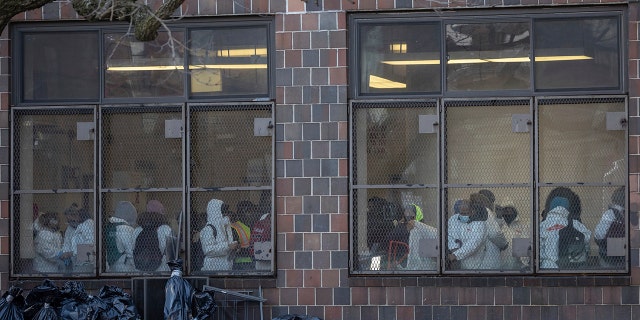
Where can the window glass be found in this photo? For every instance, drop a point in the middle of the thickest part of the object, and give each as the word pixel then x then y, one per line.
pixel 60 66
pixel 396 145
pixel 399 58
pixel 582 141
pixel 396 230
pixel 53 197
pixel 229 61
pixel 581 54
pixel 488 56
pixel 226 151
pixel 488 142
pixel 137 69
pixel 489 229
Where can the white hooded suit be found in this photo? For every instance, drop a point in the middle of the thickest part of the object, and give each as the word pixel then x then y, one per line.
pixel 216 248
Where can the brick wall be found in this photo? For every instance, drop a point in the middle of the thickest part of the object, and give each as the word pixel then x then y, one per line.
pixel 312 185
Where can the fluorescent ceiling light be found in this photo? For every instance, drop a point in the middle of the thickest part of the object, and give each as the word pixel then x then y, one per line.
pixel 382 83
pixel 475 60
pixel 232 53
pixel 191 67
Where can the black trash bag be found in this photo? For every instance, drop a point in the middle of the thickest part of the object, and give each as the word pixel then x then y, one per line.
pixel 78 304
pixel 203 305
pixel 178 293
pixel 46 293
pixel 12 304
pixel 47 312
pixel 296 317
pixel 118 304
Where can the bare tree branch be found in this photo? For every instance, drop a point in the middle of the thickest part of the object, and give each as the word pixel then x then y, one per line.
pixel 10 8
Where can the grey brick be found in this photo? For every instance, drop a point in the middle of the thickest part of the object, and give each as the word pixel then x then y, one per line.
pixel 522 295
pixel 343 94
pixel 302 113
pixel 352 313
pixel 284 77
pixel 404 3
pixel 301 76
pixel 321 186
pixel 460 313
pixel 319 39
pixel 319 76
pixel 342 296
pixel 330 241
pixel 302 186
pixel 337 39
pixel 329 131
pixel 311 131
pixel 284 113
pixel 339 149
pixel 328 94
pixel 302 223
pixel 303 260
pixel 329 204
pixel 630 295
pixel 292 95
pixel 293 168
pixel 311 204
pixel 51 11
pixel 339 186
pixel 293 131
pixel 329 167
pixel 320 112
pixel 280 168
pixel 280 59
pixel 320 149
pixel 311 58
pixel 311 167
pixel 321 223
pixel 302 149
pixel 4 173
pixel 301 40
pixel 314 5
pixel 339 259
pixel 310 94
pixel 338 112
pixel 328 21
pixel 321 259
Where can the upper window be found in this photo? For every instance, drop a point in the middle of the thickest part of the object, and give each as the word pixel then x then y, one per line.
pixel 227 60
pixel 501 180
pixel 479 55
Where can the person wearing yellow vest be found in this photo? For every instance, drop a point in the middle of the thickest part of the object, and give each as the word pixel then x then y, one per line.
pixel 242 233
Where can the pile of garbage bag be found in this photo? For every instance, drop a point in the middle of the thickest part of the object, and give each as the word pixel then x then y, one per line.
pixel 69 302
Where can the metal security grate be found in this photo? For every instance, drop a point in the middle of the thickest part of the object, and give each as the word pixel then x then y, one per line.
pixel 53 192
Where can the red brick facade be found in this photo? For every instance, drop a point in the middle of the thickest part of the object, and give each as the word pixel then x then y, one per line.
pixel 312 275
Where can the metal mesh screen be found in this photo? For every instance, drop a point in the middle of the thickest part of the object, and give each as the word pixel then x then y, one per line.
pixel 579 141
pixel 213 222
pixel 391 146
pixel 592 210
pixel 395 230
pixel 141 231
pixel 483 145
pixel 53 198
pixel 138 150
pixel 498 235
pixel 228 147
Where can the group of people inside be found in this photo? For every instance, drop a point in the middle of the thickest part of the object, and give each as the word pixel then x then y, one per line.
pixel 74 251
pixel 58 252
pixel 484 236
pixel 229 240
pixel 146 241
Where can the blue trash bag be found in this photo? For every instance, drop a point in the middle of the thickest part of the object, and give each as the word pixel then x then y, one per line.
pixel 12 304
pixel 119 305
pixel 77 304
pixel 178 293
pixel 203 305
pixel 45 294
pixel 47 312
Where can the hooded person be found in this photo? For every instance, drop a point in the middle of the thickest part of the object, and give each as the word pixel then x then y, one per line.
pixel 217 239
pixel 418 233
pixel 513 229
pixel 555 220
pixel 611 225
pixel 80 231
pixel 166 238
pixel 47 243
pixel 497 240
pixel 125 217
pixel 467 236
